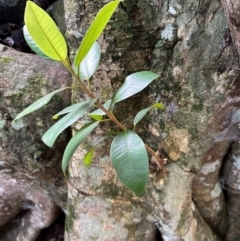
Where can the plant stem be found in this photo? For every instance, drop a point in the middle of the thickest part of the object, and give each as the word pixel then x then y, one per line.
pixel 91 95
pixel 153 153
pixel 100 106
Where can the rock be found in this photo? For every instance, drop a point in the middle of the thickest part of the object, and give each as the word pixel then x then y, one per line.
pixel 25 208
pixel 32 169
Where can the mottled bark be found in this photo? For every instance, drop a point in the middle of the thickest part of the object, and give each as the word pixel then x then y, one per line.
pixel 232 9
pixel 189 45
pixel 231 175
pixel 207 191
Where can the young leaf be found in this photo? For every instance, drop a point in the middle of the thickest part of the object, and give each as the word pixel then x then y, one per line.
pixel 32 44
pixel 90 63
pixel 133 84
pixel 95 30
pixel 88 157
pixel 143 112
pixel 51 134
pixel 130 160
pixel 76 140
pixel 67 110
pixel 44 32
pixel 158 105
pixel 98 114
pixel 39 103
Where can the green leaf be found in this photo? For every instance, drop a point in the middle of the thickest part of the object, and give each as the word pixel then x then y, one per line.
pixel 32 44
pixel 76 140
pixel 96 117
pixel 95 30
pixel 67 110
pixel 140 115
pixel 143 112
pixel 44 32
pixel 51 134
pixel 98 114
pixel 158 105
pixel 130 160
pixel 133 84
pixel 39 103
pixel 88 157
pixel 90 63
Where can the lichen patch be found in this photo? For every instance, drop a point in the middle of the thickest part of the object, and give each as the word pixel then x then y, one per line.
pixel 176 142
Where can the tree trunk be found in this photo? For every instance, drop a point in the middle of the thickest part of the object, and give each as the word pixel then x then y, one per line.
pixel 188 43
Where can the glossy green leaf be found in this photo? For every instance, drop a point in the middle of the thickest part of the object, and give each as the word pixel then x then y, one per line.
pixel 44 32
pixel 95 30
pixel 90 63
pixel 133 84
pixel 51 134
pixel 130 160
pixel 67 110
pixel 140 115
pixel 32 44
pixel 76 140
pixel 88 157
pixel 98 114
pixel 143 112
pixel 39 103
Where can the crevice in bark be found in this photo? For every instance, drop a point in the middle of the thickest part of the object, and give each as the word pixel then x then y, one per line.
pixel 158 235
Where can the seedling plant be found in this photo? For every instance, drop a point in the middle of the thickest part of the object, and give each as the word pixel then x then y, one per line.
pixel 128 152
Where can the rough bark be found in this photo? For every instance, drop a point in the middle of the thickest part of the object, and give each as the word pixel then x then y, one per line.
pixel 207 192
pixel 189 44
pixel 231 184
pixel 232 11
